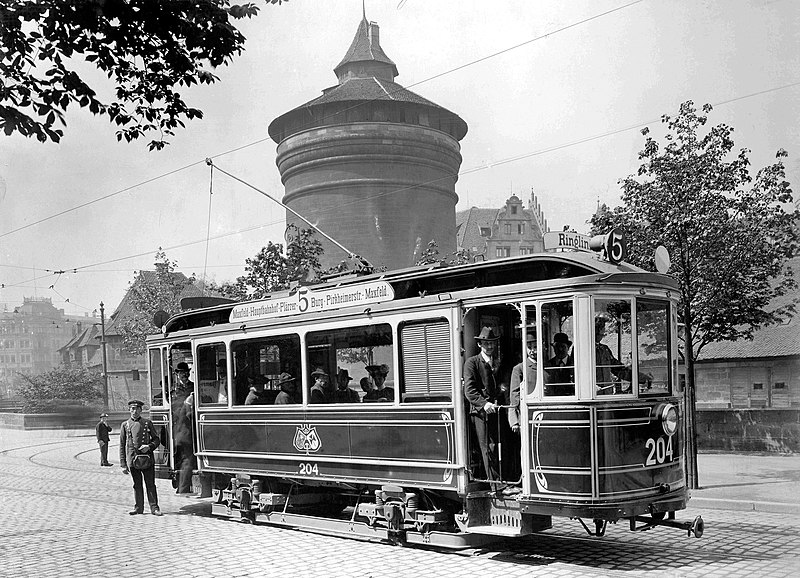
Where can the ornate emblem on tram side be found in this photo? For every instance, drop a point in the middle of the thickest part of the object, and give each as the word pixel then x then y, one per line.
pixel 306 439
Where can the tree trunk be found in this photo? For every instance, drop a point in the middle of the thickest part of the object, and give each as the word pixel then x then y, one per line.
pixel 690 399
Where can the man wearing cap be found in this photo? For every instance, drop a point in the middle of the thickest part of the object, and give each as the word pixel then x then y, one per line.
pixel 560 369
pixel 182 405
pixel 102 429
pixel 138 436
pixel 380 392
pixel 343 393
pixel 288 389
pixel 483 390
pixel 320 391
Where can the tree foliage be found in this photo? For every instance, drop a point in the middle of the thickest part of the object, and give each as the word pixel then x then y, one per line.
pixel 431 256
pixel 148 293
pixel 271 270
pixel 148 49
pixel 728 233
pixel 60 389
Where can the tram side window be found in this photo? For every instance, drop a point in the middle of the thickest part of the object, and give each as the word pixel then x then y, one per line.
pixel 258 366
pixel 558 336
pixel 156 378
pixel 364 352
pixel 613 345
pixel 653 338
pixel 211 373
pixel 427 368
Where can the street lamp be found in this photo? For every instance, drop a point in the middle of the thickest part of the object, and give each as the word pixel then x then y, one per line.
pixel 105 361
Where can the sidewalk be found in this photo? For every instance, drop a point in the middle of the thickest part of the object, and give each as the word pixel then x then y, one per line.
pixel 748 482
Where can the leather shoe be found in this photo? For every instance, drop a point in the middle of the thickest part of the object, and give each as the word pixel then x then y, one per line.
pixel 156 511
pixel 134 512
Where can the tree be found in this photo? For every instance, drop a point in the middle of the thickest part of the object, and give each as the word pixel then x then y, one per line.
pixel 148 49
pixel 149 293
pixel 728 234
pixel 270 270
pixel 430 256
pixel 60 389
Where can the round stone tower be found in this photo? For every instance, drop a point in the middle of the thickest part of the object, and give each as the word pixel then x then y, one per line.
pixel 370 163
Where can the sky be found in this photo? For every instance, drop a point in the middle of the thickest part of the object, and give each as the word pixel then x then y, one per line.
pixel 554 94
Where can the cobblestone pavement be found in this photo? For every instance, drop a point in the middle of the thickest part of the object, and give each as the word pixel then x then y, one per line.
pixel 63 515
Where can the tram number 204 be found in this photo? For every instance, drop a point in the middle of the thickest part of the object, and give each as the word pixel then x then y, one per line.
pixel 308 469
pixel 660 450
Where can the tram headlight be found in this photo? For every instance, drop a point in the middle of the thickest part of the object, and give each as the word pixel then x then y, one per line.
pixel 668 414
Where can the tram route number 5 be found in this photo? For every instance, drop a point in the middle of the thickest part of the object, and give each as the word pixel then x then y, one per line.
pixel 309 469
pixel 660 451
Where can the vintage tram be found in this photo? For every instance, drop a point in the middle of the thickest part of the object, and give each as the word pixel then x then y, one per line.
pixel 602 442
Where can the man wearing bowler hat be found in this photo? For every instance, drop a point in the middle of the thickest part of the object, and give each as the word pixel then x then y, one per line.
pixel 484 392
pixel 288 388
pixel 138 436
pixel 560 369
pixel 102 429
pixel 343 393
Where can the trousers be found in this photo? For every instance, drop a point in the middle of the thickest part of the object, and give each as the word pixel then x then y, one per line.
pixel 144 478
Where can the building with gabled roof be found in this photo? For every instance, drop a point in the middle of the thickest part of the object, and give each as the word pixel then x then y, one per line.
pixel 505 232
pixel 760 373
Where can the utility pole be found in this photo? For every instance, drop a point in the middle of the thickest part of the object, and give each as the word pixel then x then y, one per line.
pixel 105 360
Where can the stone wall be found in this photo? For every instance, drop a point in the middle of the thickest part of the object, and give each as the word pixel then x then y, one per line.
pixel 745 430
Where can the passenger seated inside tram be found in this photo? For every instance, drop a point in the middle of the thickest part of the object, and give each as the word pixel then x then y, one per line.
pixel 559 371
pixel 321 390
pixel 256 395
pixel 343 393
pixel 611 375
pixel 288 389
pixel 366 385
pixel 378 374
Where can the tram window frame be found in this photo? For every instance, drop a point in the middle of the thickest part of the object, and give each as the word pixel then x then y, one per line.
pixel 615 316
pixel 546 337
pixel 212 384
pixel 251 366
pixel 322 349
pixel 646 377
pixel 435 352
pixel 156 359
pixel 531 322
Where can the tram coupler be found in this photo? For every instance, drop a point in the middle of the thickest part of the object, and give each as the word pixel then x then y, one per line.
pixel 696 526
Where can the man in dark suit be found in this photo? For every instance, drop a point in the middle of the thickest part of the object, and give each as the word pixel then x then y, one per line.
pixel 484 392
pixel 560 369
pixel 102 429
pixel 138 436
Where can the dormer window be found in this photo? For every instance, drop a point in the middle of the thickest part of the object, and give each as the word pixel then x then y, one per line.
pixel 513 210
pixel 486 232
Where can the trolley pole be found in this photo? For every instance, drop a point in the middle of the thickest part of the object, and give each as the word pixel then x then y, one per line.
pixel 105 360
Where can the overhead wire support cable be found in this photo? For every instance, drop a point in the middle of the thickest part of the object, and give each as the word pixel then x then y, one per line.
pixel 349 253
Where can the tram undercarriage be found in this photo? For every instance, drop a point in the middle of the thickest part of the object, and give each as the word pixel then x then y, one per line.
pixel 396 516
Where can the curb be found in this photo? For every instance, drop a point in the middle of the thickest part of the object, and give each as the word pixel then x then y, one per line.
pixel 744 505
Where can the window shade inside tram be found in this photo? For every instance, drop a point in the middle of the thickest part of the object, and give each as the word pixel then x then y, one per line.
pixel 427 361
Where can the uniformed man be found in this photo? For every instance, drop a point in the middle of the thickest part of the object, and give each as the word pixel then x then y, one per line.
pixel 102 429
pixel 138 436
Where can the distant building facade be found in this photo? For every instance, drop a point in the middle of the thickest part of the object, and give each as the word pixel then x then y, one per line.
pixel 127 372
pixel 30 338
pixel 509 231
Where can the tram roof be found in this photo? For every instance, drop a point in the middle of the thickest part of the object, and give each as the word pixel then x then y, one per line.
pixel 436 279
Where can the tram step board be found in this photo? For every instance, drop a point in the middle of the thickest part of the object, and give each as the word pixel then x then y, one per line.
pixel 495 530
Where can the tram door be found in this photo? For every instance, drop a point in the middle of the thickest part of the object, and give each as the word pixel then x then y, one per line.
pixel 494 449
pixel 181 412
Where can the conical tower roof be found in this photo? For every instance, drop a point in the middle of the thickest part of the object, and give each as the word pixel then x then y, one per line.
pixel 366 47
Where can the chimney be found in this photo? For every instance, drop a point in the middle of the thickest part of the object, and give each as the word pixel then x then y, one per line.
pixel 374 34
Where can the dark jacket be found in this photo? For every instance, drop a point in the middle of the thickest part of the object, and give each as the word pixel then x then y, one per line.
pixel 132 435
pixel 482 383
pixel 102 430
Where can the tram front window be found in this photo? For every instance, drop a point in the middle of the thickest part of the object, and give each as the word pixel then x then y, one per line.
pixel 612 346
pixel 558 324
pixel 653 339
